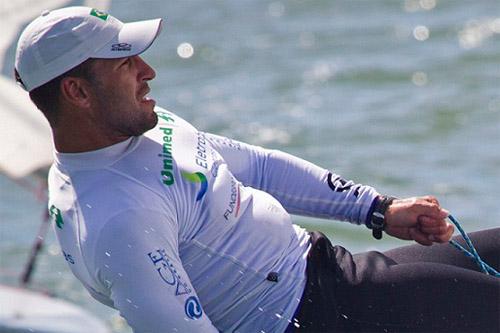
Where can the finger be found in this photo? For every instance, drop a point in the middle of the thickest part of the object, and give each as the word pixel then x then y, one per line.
pixel 439 230
pixel 451 231
pixel 429 222
pixel 431 199
pixel 436 212
pixel 432 210
pixel 446 236
pixel 420 237
pixel 432 226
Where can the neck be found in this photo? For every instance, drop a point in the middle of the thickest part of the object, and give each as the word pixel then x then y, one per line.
pixel 81 135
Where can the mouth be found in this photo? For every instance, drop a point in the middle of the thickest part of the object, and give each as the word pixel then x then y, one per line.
pixel 145 98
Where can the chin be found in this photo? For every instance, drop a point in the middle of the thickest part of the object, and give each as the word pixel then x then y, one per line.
pixel 143 124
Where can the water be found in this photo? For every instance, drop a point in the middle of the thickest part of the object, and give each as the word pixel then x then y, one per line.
pixel 401 95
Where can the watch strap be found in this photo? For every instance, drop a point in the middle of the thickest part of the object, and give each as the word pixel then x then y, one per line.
pixel 376 218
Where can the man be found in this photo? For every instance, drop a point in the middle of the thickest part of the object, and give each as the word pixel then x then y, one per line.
pixel 185 231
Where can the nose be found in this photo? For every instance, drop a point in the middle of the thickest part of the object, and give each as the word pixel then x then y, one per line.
pixel 145 72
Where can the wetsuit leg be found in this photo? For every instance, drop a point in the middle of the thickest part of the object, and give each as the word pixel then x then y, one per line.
pixel 486 242
pixel 420 289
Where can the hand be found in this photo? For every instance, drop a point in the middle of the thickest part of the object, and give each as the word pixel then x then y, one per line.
pixel 420 219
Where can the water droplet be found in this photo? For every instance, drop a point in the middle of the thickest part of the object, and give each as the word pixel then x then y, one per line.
pixel 108 254
pixel 88 205
pixel 54 250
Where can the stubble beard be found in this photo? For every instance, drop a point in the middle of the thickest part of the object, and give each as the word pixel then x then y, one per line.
pixel 123 119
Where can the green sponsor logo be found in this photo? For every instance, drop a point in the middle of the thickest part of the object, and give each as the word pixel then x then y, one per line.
pixel 200 178
pixel 97 13
pixel 167 172
pixel 165 116
pixel 56 215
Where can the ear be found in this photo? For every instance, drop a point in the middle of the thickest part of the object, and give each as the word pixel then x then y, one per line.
pixel 76 91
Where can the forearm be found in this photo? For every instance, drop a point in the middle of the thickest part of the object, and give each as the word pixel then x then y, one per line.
pixel 307 189
pixel 302 187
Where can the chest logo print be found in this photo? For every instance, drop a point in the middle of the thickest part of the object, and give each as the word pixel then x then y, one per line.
pixel 197 177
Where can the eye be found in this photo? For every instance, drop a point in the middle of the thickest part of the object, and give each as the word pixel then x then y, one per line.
pixel 125 62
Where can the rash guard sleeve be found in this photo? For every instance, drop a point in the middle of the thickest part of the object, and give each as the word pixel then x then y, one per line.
pixel 144 274
pixel 303 188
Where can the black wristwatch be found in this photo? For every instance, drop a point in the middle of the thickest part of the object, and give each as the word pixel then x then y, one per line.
pixel 376 216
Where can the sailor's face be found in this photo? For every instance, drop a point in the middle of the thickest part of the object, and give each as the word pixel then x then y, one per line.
pixel 120 90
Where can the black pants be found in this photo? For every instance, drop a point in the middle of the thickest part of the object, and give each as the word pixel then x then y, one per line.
pixel 408 289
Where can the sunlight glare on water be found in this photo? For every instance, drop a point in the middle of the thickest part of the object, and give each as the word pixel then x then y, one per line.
pixel 185 50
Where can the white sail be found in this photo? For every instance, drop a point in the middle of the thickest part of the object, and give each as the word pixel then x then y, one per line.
pixel 26 143
pixel 24 133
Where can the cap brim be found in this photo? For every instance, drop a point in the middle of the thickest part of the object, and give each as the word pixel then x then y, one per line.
pixel 133 38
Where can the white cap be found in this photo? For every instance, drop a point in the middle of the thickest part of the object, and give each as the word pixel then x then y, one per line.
pixel 61 39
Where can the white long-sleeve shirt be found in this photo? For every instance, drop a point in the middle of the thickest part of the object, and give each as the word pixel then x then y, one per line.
pixel 185 231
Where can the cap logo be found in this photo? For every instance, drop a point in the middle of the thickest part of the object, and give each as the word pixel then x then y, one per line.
pixel 121 47
pixel 97 13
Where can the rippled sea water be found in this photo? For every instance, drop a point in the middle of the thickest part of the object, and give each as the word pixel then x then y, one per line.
pixel 401 95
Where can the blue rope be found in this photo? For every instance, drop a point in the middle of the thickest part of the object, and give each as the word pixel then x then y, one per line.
pixel 472 253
